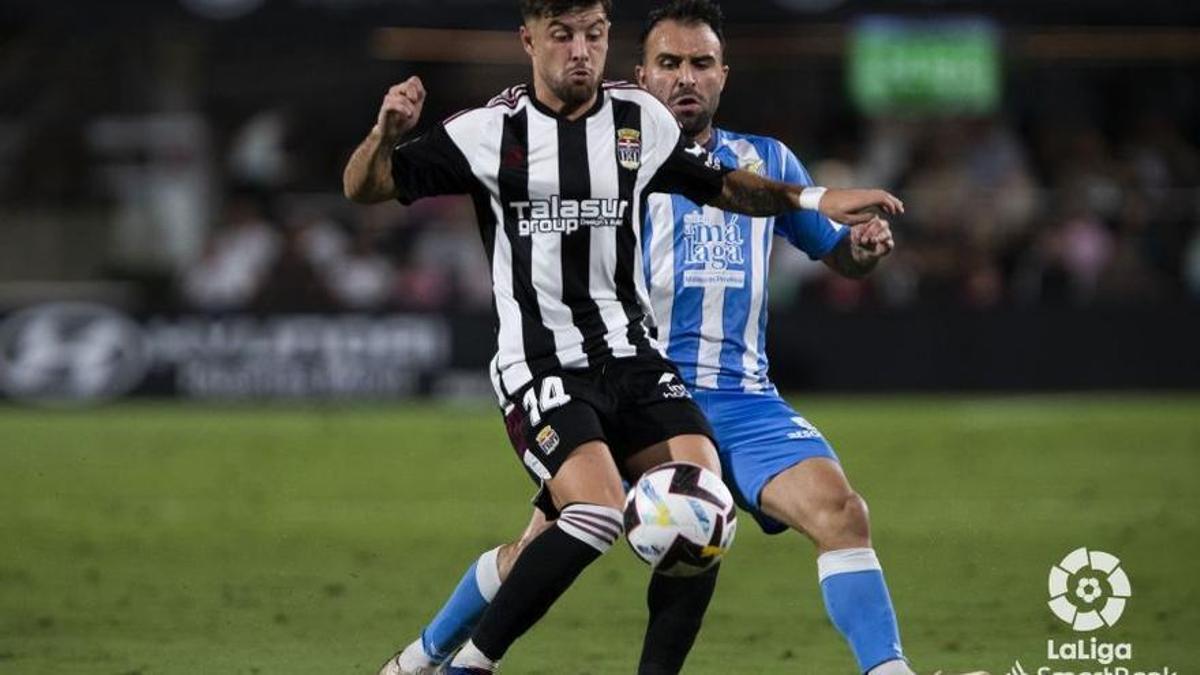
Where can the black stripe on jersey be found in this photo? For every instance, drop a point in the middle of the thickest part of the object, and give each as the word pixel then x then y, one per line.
pixel 482 200
pixel 628 115
pixel 575 182
pixel 513 181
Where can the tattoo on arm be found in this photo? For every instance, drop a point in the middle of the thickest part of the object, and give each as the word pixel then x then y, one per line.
pixel 750 194
pixel 367 178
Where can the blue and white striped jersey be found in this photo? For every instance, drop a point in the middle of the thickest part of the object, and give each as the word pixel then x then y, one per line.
pixel 707 269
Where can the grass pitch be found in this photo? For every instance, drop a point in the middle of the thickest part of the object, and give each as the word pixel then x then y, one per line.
pixel 157 538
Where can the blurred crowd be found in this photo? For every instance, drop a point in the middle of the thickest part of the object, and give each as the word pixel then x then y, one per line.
pixel 271 257
pixel 1059 214
pixel 996 216
pixel 198 161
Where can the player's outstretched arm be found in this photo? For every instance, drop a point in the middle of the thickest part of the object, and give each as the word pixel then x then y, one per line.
pixel 857 254
pixel 368 175
pixel 748 193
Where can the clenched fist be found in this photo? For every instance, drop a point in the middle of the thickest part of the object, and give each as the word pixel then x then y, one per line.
pixel 871 240
pixel 401 109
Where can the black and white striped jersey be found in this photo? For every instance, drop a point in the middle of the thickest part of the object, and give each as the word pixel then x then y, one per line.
pixel 557 201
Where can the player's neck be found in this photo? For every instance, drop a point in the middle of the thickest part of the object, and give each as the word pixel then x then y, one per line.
pixel 546 97
pixel 704 137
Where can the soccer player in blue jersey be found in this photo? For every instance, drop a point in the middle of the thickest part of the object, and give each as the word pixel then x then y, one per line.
pixel 707 274
pixel 708 288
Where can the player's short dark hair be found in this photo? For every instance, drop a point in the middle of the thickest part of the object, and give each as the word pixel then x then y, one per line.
pixel 540 9
pixel 707 12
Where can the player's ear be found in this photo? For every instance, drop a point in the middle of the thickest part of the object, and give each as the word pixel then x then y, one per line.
pixel 527 39
pixel 639 76
pixel 724 76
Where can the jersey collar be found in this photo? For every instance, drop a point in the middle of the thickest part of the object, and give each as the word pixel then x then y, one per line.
pixel 714 140
pixel 545 110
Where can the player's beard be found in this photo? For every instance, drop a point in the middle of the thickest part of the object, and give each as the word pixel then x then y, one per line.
pixel 693 125
pixel 574 93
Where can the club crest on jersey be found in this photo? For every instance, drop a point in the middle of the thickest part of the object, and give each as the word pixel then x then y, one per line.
pixel 629 148
pixel 547 440
pixel 753 165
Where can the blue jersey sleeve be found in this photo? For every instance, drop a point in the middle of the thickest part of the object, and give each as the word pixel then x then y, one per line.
pixel 809 231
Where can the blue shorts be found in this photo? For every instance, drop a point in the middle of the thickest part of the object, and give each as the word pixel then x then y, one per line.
pixel 760 437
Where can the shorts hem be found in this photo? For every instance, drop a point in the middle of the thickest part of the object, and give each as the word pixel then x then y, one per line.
pixel 768 524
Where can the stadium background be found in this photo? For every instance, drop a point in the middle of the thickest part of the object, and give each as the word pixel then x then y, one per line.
pixel 245 426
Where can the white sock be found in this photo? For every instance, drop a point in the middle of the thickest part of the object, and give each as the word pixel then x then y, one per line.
pixel 846 560
pixel 470 657
pixel 895 667
pixel 414 657
pixel 487 574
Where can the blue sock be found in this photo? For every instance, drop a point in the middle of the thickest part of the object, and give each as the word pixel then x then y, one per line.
pixel 857 600
pixel 457 618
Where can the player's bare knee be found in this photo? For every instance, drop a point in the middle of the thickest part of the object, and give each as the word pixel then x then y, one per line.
pixel 847 522
pixel 588 476
pixel 609 493
pixel 610 496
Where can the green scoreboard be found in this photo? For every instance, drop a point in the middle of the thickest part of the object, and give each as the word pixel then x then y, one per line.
pixel 902 66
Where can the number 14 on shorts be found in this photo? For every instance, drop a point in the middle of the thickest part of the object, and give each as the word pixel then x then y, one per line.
pixel 537 402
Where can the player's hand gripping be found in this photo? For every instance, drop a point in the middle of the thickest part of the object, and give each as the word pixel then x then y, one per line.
pixel 871 241
pixel 401 109
pixel 854 206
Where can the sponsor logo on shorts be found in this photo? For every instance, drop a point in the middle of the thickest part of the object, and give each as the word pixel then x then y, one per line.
pixel 807 430
pixel 671 387
pixel 547 440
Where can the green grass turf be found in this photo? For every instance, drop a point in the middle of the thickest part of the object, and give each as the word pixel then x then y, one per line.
pixel 157 538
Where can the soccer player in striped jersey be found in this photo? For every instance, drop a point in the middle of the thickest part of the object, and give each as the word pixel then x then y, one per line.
pixel 560 172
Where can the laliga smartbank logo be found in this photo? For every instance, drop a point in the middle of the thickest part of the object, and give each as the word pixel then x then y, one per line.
pixel 1089 591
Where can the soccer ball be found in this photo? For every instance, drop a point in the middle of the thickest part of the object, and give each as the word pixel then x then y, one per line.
pixel 680 519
